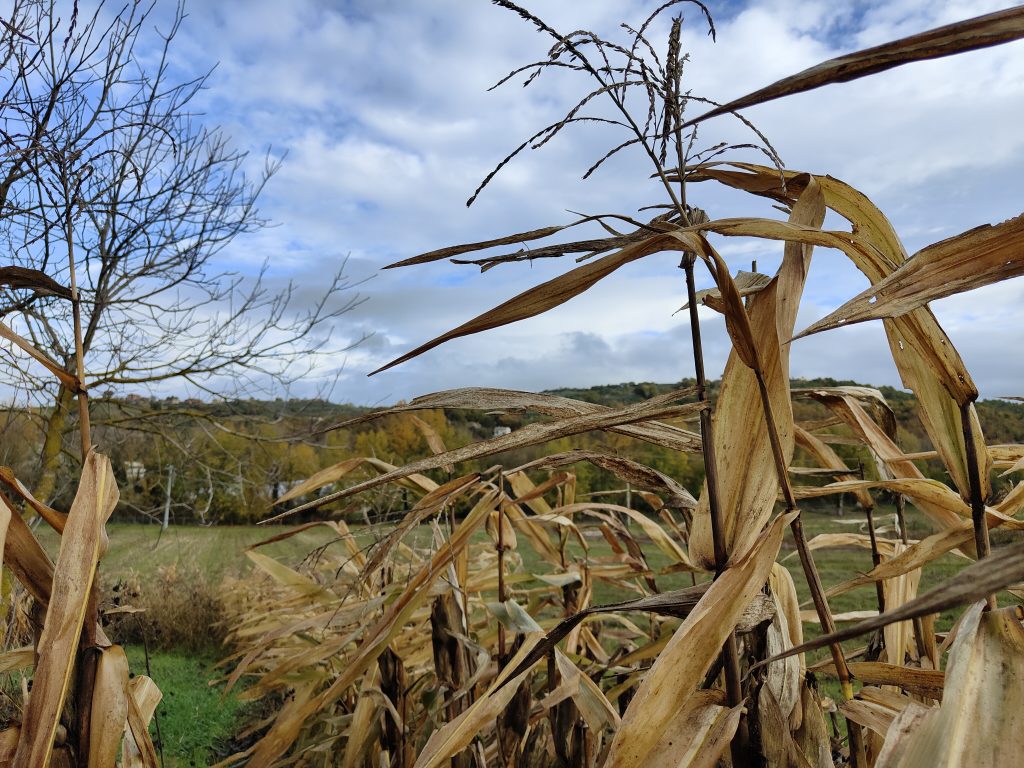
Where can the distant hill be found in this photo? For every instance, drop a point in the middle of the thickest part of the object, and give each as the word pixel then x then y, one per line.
pixel 1002 420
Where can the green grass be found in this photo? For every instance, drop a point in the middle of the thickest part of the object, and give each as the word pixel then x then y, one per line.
pixel 217 551
pixel 194 719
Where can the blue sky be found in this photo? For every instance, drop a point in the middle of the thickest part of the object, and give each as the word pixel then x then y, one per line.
pixel 382 111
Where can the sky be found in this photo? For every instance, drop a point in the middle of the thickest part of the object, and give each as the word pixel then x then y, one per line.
pixel 381 112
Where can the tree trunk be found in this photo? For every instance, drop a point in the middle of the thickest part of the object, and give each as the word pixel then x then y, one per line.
pixel 49 459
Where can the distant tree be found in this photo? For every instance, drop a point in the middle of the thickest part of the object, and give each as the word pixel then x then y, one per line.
pixel 105 166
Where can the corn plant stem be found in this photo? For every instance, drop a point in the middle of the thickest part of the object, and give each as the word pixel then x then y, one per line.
pixel 876 557
pixel 88 657
pixel 500 548
pixel 858 754
pixel 733 681
pixel 981 540
pixel 810 570
pixel 922 650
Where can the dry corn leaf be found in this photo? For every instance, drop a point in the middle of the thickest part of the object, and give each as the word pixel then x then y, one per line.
pixel 985 577
pixel 8 744
pixel 362 728
pixel 547 295
pixel 747 283
pixel 924 355
pixel 975 258
pixel 658 535
pixel 109 715
pixel 54 519
pixel 786 680
pixel 698 735
pixel 971 34
pixel 424 508
pixel 659 407
pixel 456 735
pixel 25 557
pixel 372 642
pixel 748 482
pixel 433 438
pixel 672 494
pixel 679 669
pixel 778 747
pixel 981 718
pixel 515 401
pixel 899 591
pixel 922 682
pixel 81 547
pixel 332 474
pixel 891 460
pixel 19 658
pixel 458 250
pixel 828 458
pixel 65 378
pixel 143 698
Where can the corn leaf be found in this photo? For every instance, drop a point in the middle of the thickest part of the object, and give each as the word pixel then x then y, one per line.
pixel 971 34
pixel 978 257
pixel 82 545
pixel 680 668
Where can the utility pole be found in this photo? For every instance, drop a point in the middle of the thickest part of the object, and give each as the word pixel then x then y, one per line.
pixel 167 499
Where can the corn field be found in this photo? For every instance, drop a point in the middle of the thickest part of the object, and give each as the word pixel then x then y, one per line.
pixel 468 634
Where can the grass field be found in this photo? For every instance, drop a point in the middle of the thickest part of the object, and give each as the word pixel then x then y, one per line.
pixel 195 720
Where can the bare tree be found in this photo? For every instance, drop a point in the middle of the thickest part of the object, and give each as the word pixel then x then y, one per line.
pixel 105 166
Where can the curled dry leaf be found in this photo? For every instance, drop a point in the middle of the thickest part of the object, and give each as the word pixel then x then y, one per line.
pixel 747 284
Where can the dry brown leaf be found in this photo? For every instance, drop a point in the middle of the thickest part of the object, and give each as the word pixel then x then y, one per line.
pixel 54 519
pixel 975 258
pixel 548 295
pixel 829 459
pixel 143 698
pixel 81 547
pixel 27 560
pixel 454 736
pixel 672 494
pixel 65 378
pixel 971 34
pixel 699 734
pixel 748 482
pixel 747 283
pixel 515 401
pixel 981 718
pixel 977 581
pixel 433 438
pixel 458 250
pixel 659 407
pixel 109 707
pixel 680 668
pixel 924 355
pixel 371 644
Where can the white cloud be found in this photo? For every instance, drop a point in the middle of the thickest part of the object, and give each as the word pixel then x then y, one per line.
pixel 382 109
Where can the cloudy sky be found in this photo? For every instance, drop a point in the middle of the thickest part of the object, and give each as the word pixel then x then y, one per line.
pixel 381 110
